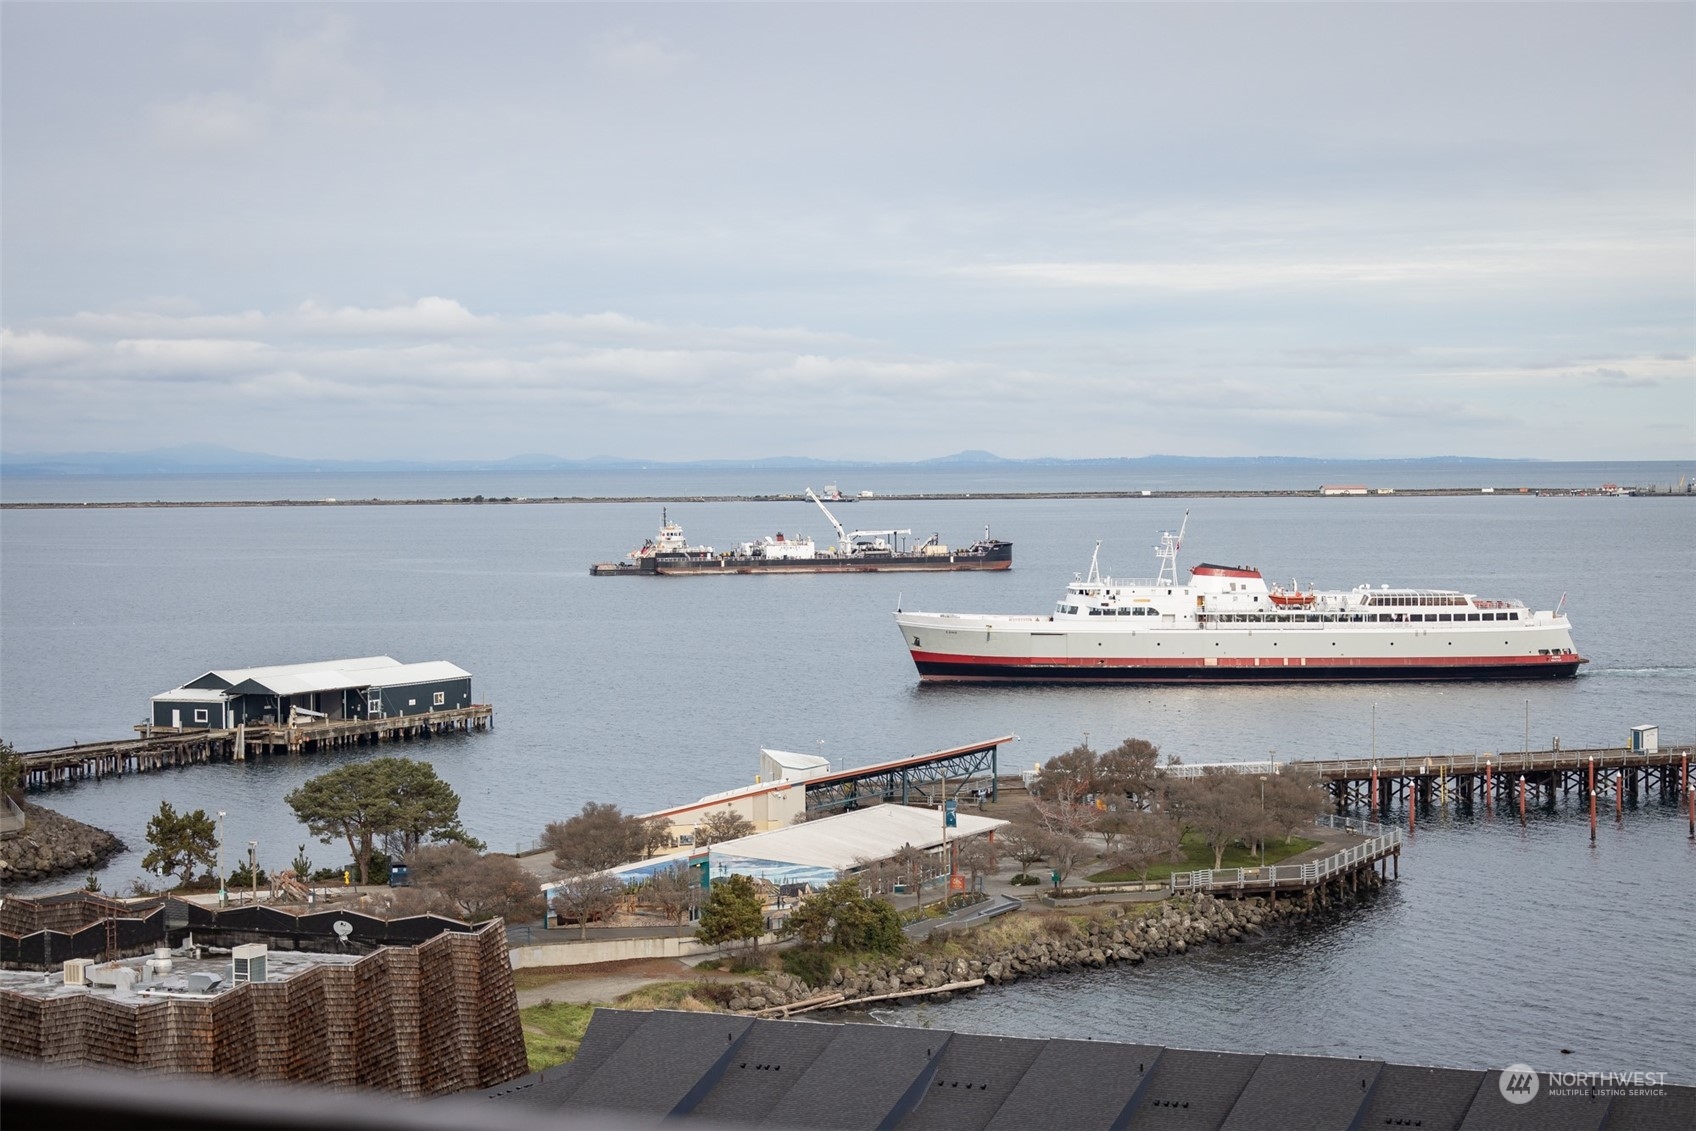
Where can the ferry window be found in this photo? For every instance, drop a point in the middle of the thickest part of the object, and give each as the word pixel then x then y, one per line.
pixel 1442 616
pixel 1513 616
pixel 1471 616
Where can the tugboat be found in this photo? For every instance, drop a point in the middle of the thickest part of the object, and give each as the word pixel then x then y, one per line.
pixel 1224 625
pixel 856 551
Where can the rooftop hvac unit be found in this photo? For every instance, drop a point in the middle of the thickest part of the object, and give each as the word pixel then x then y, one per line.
pixel 204 982
pixel 247 963
pixel 76 971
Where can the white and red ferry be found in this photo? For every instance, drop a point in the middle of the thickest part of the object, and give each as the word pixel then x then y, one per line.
pixel 1226 625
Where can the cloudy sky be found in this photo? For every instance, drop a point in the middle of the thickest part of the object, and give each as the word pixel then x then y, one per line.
pixel 850 231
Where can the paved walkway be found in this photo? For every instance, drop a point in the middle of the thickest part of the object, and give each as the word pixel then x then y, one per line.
pixel 604 982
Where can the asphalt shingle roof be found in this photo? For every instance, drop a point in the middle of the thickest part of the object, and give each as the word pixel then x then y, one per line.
pixel 733 1071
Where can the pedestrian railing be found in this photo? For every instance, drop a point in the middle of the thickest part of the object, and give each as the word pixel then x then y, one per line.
pixel 1382 841
pixel 1199 769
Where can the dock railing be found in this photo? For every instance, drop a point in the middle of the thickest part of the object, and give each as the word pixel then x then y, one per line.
pixel 1382 841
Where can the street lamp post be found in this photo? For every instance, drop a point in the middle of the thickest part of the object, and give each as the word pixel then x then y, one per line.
pixel 223 894
pixel 253 868
pixel 1261 839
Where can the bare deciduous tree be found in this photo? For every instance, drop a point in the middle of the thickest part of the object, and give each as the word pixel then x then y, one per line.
pixel 1294 797
pixel 1219 806
pixel 716 828
pixel 1026 842
pixel 1148 839
pixel 1068 776
pixel 977 856
pixel 1111 824
pixel 1065 853
pixel 584 898
pixel 481 887
pixel 1065 817
pixel 915 864
pixel 601 836
pixel 673 891
pixel 1130 769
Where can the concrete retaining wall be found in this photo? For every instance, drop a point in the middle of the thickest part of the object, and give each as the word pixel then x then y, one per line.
pixel 566 953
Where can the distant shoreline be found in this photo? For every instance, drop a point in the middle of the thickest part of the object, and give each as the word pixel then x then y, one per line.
pixel 940 496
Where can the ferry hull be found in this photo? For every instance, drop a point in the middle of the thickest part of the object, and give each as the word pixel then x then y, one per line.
pixel 934 669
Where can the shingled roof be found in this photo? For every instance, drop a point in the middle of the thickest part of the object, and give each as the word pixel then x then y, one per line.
pixel 733 1071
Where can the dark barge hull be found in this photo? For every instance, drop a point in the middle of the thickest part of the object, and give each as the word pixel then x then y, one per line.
pixel 995 556
pixel 932 671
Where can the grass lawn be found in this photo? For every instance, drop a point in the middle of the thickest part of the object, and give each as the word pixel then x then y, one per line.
pixel 552 1032
pixel 1199 857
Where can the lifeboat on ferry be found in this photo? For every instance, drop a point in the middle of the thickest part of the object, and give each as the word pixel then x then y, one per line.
pixel 1293 600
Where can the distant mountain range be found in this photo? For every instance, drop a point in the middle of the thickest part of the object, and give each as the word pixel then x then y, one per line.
pixel 210 459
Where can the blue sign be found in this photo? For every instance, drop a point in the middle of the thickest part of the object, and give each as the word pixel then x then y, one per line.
pixel 948 819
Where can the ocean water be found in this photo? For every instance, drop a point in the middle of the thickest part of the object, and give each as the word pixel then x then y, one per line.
pixel 662 481
pixel 647 692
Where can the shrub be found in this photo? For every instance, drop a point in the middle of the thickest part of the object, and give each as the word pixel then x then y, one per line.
pixel 813 966
pixel 1059 926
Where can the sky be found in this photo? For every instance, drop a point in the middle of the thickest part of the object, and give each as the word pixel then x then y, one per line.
pixel 849 231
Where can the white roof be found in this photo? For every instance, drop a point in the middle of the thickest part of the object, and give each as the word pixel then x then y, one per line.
pixel 875 833
pixel 233 676
pixel 192 695
pixel 301 679
pixel 792 761
pixel 430 671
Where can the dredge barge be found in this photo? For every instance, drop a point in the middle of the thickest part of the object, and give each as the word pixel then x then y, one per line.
pixel 856 551
pixel 1226 625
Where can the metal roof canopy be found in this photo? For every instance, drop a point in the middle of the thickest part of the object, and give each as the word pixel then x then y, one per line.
pixel 905 778
pixel 815 852
pixel 230 677
pixel 896 781
pixel 840 841
pixel 326 678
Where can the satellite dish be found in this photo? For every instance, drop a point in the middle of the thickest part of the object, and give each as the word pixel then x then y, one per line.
pixel 342 928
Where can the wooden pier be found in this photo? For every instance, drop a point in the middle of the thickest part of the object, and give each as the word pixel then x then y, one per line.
pixel 164 748
pixel 1502 778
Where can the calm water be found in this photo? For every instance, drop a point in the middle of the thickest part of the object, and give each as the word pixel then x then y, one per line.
pixel 660 482
pixel 1497 945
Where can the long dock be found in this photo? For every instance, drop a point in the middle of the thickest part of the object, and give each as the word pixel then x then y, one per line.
pixel 164 748
pixel 1378 784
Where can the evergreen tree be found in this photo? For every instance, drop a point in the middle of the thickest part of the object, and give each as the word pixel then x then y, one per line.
pixel 733 911
pixel 180 841
pixel 366 800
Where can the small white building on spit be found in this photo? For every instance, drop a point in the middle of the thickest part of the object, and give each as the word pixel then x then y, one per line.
pixel 815 853
pixel 774 800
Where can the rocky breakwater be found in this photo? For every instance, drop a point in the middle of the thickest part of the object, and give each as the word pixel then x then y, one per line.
pixel 1033 944
pixel 52 844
